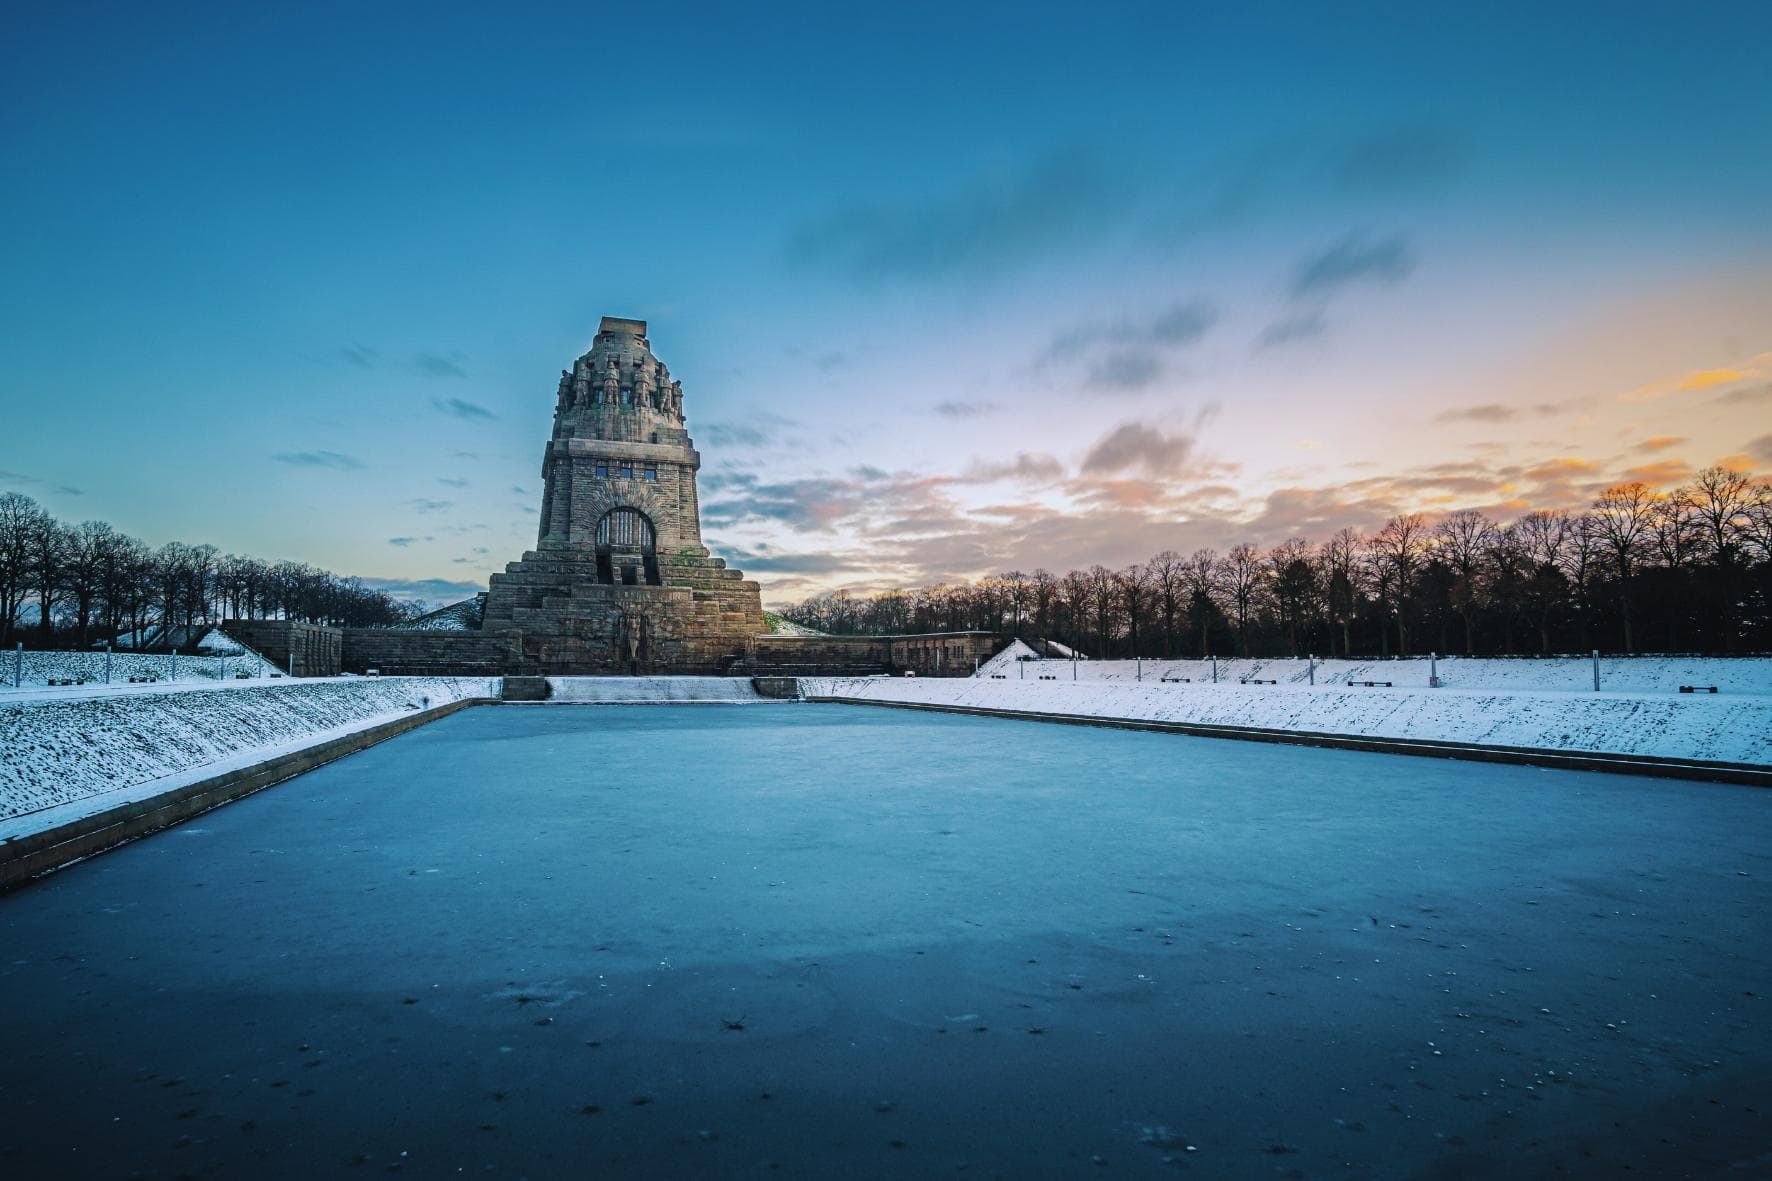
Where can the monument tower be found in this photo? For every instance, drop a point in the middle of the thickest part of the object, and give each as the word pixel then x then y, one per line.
pixel 619 580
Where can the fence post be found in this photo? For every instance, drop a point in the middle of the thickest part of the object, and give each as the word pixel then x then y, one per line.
pixel 292 660
pixel 107 662
pixel 1311 668
pixel 1215 668
pixel 1433 670
pixel 1139 660
pixel 18 666
pixel 1073 664
pixel 1596 670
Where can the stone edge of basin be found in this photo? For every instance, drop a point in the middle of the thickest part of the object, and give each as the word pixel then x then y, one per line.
pixel 30 857
pixel 1751 774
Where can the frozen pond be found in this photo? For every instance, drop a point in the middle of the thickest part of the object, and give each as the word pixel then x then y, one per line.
pixel 840 940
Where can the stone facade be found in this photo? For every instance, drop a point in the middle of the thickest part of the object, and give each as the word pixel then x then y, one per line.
pixel 619 581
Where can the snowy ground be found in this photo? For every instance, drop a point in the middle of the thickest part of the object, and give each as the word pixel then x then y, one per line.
pixel 64 757
pixel 1556 674
pixel 221 659
pixel 821 941
pixel 1730 728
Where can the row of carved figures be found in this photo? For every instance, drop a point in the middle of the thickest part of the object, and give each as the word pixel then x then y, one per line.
pixel 581 391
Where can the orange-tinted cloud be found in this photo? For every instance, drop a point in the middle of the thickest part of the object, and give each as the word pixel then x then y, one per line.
pixel 1660 442
pixel 1704 379
pixel 1660 474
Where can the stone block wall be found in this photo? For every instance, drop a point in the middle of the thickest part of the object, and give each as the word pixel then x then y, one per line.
pixel 318 651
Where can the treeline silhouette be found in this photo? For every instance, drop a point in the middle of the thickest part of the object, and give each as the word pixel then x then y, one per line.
pixel 1640 571
pixel 64 584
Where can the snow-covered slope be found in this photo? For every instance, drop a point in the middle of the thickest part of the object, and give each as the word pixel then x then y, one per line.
pixel 80 755
pixel 34 670
pixel 1554 674
pixel 1735 729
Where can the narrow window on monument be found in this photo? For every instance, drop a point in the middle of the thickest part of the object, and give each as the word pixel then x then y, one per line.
pixel 652 474
pixel 602 471
pixel 627 473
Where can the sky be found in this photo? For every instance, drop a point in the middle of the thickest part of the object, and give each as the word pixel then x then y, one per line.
pixel 952 288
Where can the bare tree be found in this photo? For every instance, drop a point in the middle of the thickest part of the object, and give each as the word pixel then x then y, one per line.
pixel 1340 558
pixel 1201 576
pixel 1463 540
pixel 1294 582
pixel 1623 514
pixel 1168 579
pixel 1399 548
pixel 1242 574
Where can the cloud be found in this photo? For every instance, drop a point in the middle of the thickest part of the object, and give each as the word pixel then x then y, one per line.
pixel 402 542
pixel 996 224
pixel 425 588
pixel 440 364
pixel 1406 157
pixel 425 505
pixel 957 408
pixel 768 559
pixel 1698 380
pixel 755 430
pixel 21 480
pixel 1559 468
pixel 1659 474
pixel 330 459
pixel 461 408
pixel 1761 449
pixel 1352 260
pixel 825 362
pixel 1291 329
pixel 1138 446
pixel 518 489
pixel 1027 467
pixel 1656 443
pixel 360 355
pixel 1747 396
pixel 452 481
pixel 1500 412
pixel 1125 369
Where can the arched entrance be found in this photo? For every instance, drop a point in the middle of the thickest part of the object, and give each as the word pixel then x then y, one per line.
pixel 627 549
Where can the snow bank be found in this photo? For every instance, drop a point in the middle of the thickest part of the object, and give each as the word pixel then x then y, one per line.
pixel 1551 674
pixel 1736 729
pixel 639 690
pixel 34 670
pixel 76 756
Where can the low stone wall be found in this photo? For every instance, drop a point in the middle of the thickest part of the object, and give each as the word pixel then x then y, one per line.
pixel 428 653
pixel 937 654
pixel 317 651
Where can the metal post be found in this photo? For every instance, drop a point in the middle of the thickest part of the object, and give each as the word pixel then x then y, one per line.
pixel 1139 660
pixel 292 660
pixel 1596 670
pixel 1073 664
pixel 1433 670
pixel 174 675
pixel 18 666
pixel 107 662
pixel 1215 668
pixel 1023 666
pixel 1310 669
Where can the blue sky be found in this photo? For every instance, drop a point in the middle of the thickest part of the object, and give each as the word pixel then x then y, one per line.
pixel 951 288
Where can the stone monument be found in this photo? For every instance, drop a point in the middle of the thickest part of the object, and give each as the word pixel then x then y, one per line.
pixel 619 581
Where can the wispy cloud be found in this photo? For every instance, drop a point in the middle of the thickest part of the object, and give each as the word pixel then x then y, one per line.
pixel 452 481
pixel 440 364
pixel 1699 380
pixel 21 480
pixel 1354 259
pixel 360 355
pixel 1291 329
pixel 402 542
pixel 1130 353
pixel 1139 446
pixel 960 408
pixel 1030 467
pixel 426 505
pixel 461 408
pixel 996 223
pixel 327 459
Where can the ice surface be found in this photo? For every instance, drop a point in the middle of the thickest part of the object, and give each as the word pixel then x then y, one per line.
pixel 518 940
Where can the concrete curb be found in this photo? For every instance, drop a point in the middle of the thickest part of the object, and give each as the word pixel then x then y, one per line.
pixel 1752 774
pixel 25 858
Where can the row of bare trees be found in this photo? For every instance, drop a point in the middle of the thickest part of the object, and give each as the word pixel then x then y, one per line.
pixel 62 584
pixel 1685 570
